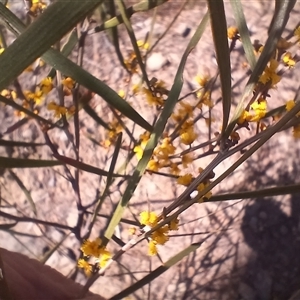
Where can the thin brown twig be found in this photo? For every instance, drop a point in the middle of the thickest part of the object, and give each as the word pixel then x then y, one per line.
pixel 34 220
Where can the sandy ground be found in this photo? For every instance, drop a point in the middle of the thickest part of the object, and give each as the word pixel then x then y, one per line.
pixel 250 248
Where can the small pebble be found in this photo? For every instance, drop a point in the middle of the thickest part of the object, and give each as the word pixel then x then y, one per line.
pixel 156 61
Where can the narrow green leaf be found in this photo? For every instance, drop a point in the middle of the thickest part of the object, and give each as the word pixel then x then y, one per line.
pixel 244 32
pixel 8 162
pixel 114 159
pixel 7 143
pixel 66 49
pixel 21 108
pixel 219 32
pixel 274 191
pixel 157 272
pixel 85 167
pixel 115 36
pixel 108 183
pixel 278 111
pixel 39 36
pixel 5 227
pixel 67 67
pixel 24 189
pixel 95 117
pixel 279 23
pixel 168 27
pixel 133 40
pixel 157 132
pixel 143 5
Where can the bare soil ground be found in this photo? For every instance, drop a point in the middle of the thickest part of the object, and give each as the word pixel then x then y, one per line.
pixel 250 248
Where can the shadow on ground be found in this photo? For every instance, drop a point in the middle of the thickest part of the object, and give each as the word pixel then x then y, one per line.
pixel 273 270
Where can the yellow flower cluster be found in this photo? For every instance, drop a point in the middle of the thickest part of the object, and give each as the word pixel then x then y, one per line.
pixel 112 134
pixel 157 92
pixel 37 7
pixel 187 179
pixel 161 155
pixel 143 45
pixel 42 90
pixel 31 98
pixel 204 96
pixel 9 94
pixel 289 60
pixel 131 62
pixel 184 115
pixel 37 97
pixel 68 85
pixel 257 112
pixel 296 131
pixel 290 105
pixel 139 149
pixel 187 133
pixel 46 85
pixel 159 236
pixel 115 127
pixel 233 33
pixel 202 80
pixel 93 249
pixel 163 151
pixel 12 95
pixel 270 74
pixel 152 99
pixel 269 78
pixel 58 110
